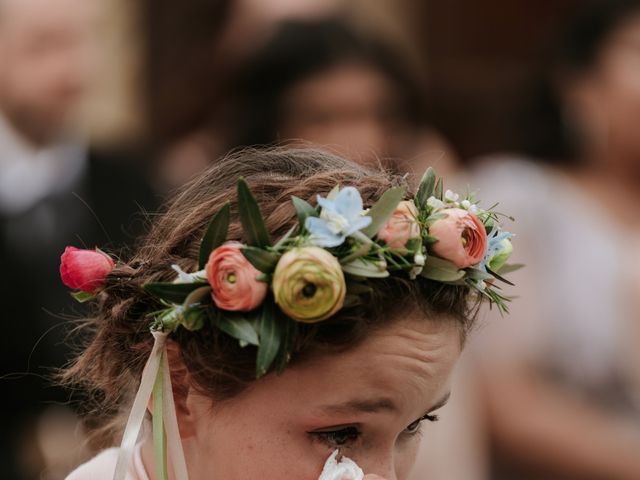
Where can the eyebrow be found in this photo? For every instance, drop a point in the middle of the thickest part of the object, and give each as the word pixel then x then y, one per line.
pixel 373 406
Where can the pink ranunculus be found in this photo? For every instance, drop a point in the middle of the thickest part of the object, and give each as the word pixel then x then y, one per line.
pixel 402 226
pixel 462 238
pixel 233 280
pixel 85 270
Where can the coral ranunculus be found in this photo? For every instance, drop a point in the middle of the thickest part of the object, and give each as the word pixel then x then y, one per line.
pixel 308 284
pixel 402 226
pixel 462 238
pixel 233 280
pixel 84 270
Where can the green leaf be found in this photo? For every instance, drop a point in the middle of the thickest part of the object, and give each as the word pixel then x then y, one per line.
pixel 441 270
pixel 290 331
pixel 172 292
pixel 382 210
pixel 197 295
pixel 363 268
pixel 358 288
pixel 426 187
pixel 303 209
pixel 499 277
pixel 429 240
pixel 238 327
pixel 83 296
pixel 437 192
pixel 270 333
pixel 215 235
pixel 477 274
pixel 351 300
pixel 510 267
pixel 251 218
pixel 193 319
pixel 263 260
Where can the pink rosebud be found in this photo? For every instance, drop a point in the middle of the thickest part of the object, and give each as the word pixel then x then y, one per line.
pixel 402 226
pixel 234 286
pixel 85 270
pixel 462 238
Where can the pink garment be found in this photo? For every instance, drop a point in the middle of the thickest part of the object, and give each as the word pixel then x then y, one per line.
pixel 103 465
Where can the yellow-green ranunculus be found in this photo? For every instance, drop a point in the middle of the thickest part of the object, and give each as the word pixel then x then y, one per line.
pixel 308 284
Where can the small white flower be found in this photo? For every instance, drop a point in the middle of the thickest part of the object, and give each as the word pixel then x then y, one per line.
pixel 466 204
pixel 346 469
pixel 473 209
pixel 415 271
pixel 435 203
pixel 419 259
pixel 449 196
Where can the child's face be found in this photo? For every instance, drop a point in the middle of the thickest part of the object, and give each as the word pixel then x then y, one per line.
pixel 367 402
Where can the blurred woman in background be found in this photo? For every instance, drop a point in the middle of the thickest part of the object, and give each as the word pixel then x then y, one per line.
pixel 561 379
pixel 321 82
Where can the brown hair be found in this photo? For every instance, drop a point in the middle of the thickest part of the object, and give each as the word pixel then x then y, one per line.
pixel 110 364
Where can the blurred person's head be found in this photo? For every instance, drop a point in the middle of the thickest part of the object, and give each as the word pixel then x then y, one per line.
pixel 43 64
pixel 321 83
pixel 590 108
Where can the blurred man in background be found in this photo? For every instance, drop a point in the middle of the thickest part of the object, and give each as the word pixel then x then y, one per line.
pixel 54 191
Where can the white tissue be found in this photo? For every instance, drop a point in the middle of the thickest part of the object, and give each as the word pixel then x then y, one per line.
pixel 346 469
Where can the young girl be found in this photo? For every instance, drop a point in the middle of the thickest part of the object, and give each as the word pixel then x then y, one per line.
pixel 321 344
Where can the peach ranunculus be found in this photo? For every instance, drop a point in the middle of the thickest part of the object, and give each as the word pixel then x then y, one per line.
pixel 233 280
pixel 84 270
pixel 462 238
pixel 402 226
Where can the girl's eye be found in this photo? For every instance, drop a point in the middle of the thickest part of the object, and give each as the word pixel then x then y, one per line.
pixel 338 438
pixel 415 426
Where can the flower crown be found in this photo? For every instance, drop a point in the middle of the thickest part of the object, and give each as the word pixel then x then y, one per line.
pixel 260 291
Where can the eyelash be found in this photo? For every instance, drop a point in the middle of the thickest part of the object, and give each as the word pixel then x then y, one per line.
pixel 348 435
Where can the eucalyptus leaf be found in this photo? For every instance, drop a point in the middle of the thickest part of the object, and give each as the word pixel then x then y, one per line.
pixel 238 327
pixel 303 209
pixel 215 235
pixel 441 270
pixel 83 296
pixel 270 334
pixel 263 260
pixel 251 218
pixel 383 209
pixel 172 292
pixel 363 268
pixel 426 187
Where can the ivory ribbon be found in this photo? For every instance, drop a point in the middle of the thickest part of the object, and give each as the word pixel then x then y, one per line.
pixel 157 358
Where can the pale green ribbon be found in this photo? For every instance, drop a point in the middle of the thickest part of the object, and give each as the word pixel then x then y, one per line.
pixel 156 380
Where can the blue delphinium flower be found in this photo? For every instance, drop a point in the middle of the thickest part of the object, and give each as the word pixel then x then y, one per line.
pixel 495 245
pixel 341 216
